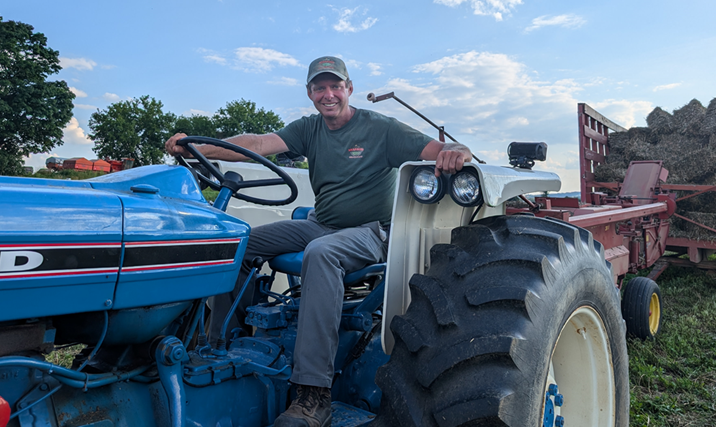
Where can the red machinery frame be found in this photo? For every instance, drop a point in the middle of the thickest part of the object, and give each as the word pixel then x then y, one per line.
pixel 631 220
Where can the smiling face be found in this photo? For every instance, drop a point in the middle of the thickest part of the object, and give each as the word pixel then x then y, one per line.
pixel 330 97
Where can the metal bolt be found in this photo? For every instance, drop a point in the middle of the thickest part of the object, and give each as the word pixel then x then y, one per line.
pixel 559 421
pixel 178 353
pixel 44 387
pixel 553 389
pixel 559 400
pixel 108 303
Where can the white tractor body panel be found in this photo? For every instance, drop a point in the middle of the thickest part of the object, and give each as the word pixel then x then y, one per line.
pixel 418 227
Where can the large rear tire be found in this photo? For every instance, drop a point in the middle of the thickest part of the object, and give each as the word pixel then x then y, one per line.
pixel 512 306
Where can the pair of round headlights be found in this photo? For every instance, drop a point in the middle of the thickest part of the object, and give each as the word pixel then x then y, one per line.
pixel 464 186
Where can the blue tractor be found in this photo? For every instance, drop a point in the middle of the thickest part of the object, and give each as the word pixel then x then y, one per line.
pixel 477 318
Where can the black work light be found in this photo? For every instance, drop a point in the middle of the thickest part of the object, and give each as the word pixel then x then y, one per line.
pixel 425 186
pixel 465 188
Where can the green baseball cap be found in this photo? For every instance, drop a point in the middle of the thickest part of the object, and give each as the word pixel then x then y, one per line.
pixel 327 64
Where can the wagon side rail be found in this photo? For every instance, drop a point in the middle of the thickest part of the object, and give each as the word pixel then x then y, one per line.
pixel 594 131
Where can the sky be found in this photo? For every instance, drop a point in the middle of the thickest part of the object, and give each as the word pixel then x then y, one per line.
pixel 490 71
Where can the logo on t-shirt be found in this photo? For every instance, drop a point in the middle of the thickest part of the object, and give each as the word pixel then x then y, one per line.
pixel 355 153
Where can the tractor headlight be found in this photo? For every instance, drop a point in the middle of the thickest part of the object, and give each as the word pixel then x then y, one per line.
pixel 425 186
pixel 465 188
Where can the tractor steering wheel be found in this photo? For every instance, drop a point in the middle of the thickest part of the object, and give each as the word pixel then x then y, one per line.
pixel 283 177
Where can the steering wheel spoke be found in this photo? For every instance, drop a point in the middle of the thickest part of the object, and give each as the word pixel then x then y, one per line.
pixel 283 177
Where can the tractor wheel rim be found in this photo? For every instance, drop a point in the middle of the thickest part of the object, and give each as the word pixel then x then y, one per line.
pixel 654 314
pixel 582 367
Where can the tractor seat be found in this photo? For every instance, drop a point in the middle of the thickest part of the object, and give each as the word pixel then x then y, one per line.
pixel 290 263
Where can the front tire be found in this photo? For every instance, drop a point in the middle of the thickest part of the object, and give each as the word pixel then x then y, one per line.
pixel 512 306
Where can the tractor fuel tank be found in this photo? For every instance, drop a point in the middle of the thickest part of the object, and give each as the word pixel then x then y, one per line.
pixel 130 239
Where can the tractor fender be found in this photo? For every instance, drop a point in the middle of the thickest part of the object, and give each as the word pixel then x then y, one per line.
pixel 417 227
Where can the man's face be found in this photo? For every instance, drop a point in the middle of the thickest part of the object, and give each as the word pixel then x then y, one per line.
pixel 330 95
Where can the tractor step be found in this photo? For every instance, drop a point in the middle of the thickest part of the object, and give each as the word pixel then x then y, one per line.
pixel 349 416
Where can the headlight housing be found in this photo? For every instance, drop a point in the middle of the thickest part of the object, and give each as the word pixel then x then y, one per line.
pixel 465 188
pixel 425 186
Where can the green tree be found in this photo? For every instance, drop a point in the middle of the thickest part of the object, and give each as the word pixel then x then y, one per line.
pixel 242 117
pixel 33 111
pixel 136 129
pixel 195 126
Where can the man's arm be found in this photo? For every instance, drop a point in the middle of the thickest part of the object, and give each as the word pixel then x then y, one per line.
pixel 449 158
pixel 263 145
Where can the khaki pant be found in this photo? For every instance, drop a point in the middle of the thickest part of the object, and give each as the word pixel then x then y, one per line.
pixel 329 253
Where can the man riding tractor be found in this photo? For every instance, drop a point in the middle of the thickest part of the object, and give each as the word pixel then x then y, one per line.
pixel 353 155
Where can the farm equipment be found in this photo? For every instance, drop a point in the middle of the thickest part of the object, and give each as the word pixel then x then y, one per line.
pixel 80 163
pixel 477 317
pixel 630 218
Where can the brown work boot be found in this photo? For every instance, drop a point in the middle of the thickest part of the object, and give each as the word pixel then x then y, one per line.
pixel 310 408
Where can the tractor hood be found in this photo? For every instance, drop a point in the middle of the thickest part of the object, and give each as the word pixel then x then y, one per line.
pixel 135 238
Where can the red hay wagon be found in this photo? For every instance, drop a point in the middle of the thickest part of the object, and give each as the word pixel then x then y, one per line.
pixel 631 220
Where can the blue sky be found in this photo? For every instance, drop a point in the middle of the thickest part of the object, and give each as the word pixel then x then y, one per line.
pixel 490 71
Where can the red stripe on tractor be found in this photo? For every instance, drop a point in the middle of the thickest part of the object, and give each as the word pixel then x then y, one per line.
pixel 176 242
pixel 58 273
pixel 164 267
pixel 68 245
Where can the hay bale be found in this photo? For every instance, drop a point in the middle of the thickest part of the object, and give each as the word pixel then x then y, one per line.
pixel 709 123
pixel 660 121
pixel 686 142
pixel 692 113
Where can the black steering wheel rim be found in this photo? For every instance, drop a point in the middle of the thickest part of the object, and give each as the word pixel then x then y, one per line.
pixel 283 177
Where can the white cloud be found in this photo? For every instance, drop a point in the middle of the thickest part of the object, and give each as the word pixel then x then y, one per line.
pixel 566 21
pixel 494 8
pixel 74 134
pixel 487 100
pixel 482 80
pixel 351 63
pixel 667 87
pixel 346 18
pixel 193 112
pixel 211 56
pixel 451 3
pixel 111 97
pixel 78 93
pixel 284 81
pixel 517 121
pixel 290 114
pixel 85 107
pixel 374 69
pixel 216 59
pixel 623 112
pixel 78 63
pixel 256 59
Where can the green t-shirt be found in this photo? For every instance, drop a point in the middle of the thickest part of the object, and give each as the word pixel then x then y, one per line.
pixel 353 169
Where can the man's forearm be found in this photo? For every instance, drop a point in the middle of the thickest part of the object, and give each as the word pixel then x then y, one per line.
pixel 249 141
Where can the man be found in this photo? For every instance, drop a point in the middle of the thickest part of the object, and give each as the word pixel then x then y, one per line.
pixel 352 155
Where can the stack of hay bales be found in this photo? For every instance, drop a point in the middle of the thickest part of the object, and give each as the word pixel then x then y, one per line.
pixel 686 142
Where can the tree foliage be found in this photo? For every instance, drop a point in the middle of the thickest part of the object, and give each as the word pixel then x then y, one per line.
pixel 136 129
pixel 195 126
pixel 33 111
pixel 242 117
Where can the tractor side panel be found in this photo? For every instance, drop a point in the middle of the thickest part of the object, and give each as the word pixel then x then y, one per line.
pixel 58 243
pixel 176 251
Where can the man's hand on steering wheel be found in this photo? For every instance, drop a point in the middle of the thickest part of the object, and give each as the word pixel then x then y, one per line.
pixel 182 146
pixel 176 150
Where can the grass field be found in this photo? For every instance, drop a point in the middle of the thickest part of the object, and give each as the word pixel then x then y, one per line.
pixel 673 378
